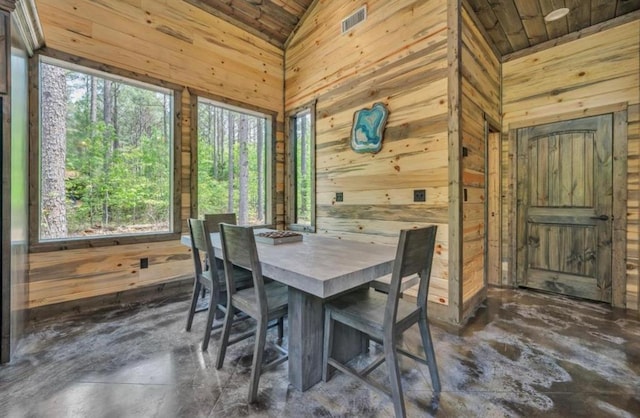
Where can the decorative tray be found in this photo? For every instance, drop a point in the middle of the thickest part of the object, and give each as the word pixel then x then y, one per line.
pixel 278 237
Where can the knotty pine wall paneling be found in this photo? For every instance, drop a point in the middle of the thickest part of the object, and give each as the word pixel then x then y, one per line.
pixel 575 79
pixel 480 85
pixel 398 56
pixel 183 45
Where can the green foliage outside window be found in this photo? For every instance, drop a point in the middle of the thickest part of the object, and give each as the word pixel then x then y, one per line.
pixel 115 144
pixel 303 155
pixel 232 163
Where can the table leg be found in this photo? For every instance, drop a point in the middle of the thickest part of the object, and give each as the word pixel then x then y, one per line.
pixel 306 326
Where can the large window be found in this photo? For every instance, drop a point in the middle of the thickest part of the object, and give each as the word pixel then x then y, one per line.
pixel 234 162
pixel 302 164
pixel 106 162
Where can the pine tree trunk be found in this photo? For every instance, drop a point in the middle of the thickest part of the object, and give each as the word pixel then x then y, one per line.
pixel 212 140
pixel 219 144
pixel 54 147
pixel 260 179
pixel 243 162
pixel 304 192
pixel 107 113
pixel 114 117
pixel 232 133
pixel 93 106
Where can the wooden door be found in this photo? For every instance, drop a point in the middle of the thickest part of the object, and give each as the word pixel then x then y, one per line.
pixel 564 213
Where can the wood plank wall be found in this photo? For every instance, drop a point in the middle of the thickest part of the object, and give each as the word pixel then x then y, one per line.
pixel 398 56
pixel 574 78
pixel 480 72
pixel 172 41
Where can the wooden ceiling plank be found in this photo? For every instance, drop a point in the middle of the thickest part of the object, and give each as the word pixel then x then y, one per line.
pixel 265 16
pixel 279 13
pixel 627 6
pixel 294 7
pixel 556 28
pixel 602 10
pixel 579 16
pixel 224 13
pixel 467 6
pixel 600 27
pixel 487 17
pixel 511 22
pixel 532 21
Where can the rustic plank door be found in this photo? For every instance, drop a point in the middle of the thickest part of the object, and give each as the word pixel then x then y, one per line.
pixel 564 214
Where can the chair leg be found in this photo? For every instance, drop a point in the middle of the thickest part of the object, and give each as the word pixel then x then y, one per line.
pixel 194 303
pixel 427 343
pixel 211 313
pixel 328 345
pixel 391 359
pixel 280 330
pixel 224 339
pixel 256 367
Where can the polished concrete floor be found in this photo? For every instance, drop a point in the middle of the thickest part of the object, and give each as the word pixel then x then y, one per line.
pixel 523 354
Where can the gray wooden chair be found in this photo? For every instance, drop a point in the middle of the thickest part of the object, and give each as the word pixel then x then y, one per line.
pixel 263 302
pixel 208 276
pixel 213 220
pixel 382 284
pixel 383 318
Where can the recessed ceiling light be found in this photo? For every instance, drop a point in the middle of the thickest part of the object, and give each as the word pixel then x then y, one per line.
pixel 556 14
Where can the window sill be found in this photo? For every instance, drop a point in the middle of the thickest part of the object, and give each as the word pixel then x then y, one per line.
pixel 106 241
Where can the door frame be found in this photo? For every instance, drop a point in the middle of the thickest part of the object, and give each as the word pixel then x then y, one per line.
pixel 493 191
pixel 619 232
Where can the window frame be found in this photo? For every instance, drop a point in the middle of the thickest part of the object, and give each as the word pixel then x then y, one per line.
pixel 89 66
pixel 292 169
pixel 270 149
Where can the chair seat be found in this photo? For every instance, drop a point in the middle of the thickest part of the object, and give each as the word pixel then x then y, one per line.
pixel 364 310
pixel 382 283
pixel 277 299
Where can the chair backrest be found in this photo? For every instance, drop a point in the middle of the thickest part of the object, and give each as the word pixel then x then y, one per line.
pixel 215 219
pixel 239 249
pixel 201 246
pixel 414 256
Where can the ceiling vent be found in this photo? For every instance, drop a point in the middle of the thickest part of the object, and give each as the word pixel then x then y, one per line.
pixel 356 18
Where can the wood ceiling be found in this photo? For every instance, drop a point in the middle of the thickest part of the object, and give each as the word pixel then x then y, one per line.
pixel 512 25
pixel 272 20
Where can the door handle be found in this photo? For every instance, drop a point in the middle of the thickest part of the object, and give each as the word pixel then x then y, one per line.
pixel 600 217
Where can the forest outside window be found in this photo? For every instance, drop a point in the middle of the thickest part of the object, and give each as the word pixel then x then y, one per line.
pixel 302 163
pixel 106 160
pixel 235 162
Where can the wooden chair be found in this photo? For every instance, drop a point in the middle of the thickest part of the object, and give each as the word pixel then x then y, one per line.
pixel 384 318
pixel 207 276
pixel 263 302
pixel 213 221
pixel 382 284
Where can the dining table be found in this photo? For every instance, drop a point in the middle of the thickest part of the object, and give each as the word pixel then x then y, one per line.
pixel 316 269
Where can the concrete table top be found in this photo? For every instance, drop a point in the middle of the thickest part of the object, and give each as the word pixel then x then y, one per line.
pixel 321 266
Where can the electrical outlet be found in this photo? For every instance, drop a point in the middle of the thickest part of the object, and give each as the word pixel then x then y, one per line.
pixel 339 197
pixel 144 263
pixel 420 195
